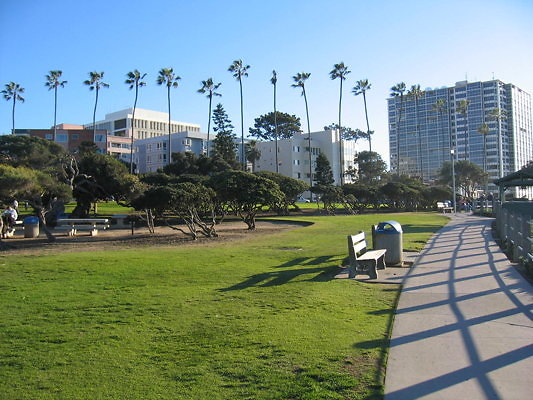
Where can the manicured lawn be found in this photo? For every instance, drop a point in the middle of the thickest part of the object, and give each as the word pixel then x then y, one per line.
pixel 104 208
pixel 260 318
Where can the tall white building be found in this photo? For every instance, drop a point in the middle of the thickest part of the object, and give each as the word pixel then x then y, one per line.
pixel 423 131
pixel 293 155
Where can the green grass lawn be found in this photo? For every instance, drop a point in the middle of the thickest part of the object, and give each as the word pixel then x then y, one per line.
pixel 260 318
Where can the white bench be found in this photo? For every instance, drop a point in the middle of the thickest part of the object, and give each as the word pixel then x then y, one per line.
pixel 363 260
pixel 442 207
pixel 73 225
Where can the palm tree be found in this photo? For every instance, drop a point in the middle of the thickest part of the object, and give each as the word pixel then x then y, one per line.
pixel 483 129
pixel 360 88
pixel 340 71
pixel 439 107
pixel 12 91
pixel 53 81
pixel 398 90
pixel 416 94
pixel 170 80
pixel 274 81
pixel 135 80
pixel 95 83
pixel 239 71
pixel 210 88
pixel 252 153
pixel 299 80
pixel 498 115
pixel 462 108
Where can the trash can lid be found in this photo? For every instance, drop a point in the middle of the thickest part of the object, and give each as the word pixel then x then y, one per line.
pixel 389 227
pixel 31 220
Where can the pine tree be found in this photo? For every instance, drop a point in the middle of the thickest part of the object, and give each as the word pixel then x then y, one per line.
pixel 224 143
pixel 323 172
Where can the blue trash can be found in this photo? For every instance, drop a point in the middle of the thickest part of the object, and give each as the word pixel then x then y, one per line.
pixel 389 235
pixel 31 227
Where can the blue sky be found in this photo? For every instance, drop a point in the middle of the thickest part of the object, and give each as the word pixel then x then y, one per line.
pixel 431 43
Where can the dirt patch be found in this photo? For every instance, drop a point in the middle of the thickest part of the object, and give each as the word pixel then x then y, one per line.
pixel 114 239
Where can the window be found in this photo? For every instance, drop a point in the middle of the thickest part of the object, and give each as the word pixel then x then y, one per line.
pixel 75 136
pixel 296 162
pixel 49 136
pixel 61 138
pixel 120 124
pixel 99 138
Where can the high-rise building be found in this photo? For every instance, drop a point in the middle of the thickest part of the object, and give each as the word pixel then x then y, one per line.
pixel 487 123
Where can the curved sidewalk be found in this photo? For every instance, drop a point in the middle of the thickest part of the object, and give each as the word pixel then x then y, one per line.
pixel 463 328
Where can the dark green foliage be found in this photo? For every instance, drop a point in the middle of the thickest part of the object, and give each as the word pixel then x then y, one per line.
pixel 245 194
pixel 265 129
pixel 101 176
pixel 87 147
pixel 371 168
pixel 192 203
pixel 224 143
pixel 290 187
pixel 330 195
pixel 30 151
pixel 323 172
pixel 188 163
pixel 468 176
pixel 359 196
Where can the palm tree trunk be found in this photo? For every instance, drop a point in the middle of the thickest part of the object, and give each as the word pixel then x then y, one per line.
pixel 133 127
pixel 341 163
pixel 309 139
pixel 13 115
pixel 276 130
pixel 419 142
pixel 55 113
pixel 398 136
pixel 367 124
pixel 242 130
pixel 209 122
pixel 94 115
pixel 169 141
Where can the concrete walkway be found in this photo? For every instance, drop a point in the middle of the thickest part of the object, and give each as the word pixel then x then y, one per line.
pixel 463 327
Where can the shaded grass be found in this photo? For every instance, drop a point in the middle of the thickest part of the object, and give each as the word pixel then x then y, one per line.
pixel 262 318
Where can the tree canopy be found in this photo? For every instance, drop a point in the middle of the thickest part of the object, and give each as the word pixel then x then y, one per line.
pixel 469 176
pixel 265 127
pixel 245 194
pixel 224 142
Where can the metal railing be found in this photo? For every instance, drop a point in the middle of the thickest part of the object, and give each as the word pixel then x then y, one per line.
pixel 514 225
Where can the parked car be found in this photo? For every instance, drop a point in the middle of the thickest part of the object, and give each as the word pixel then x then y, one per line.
pixel 302 200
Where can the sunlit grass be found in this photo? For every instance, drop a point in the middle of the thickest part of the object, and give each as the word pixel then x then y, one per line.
pixel 260 318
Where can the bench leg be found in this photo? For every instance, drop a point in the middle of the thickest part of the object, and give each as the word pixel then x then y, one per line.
pixel 94 232
pixel 372 270
pixel 351 271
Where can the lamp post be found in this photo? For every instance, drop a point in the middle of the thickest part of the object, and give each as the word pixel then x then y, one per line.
pixel 452 152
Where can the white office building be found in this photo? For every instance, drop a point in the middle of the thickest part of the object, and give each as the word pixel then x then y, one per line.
pixel 148 124
pixel 293 155
pixel 152 154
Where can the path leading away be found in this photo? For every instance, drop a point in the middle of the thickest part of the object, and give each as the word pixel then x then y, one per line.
pixel 463 327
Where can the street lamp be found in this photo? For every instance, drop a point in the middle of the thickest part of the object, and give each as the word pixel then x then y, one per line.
pixel 452 152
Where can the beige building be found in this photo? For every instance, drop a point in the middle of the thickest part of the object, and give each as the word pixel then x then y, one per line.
pixel 293 154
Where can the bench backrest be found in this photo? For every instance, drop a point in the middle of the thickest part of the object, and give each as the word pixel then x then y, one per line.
pixel 356 244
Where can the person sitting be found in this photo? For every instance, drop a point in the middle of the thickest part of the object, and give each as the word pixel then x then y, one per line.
pixel 9 217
